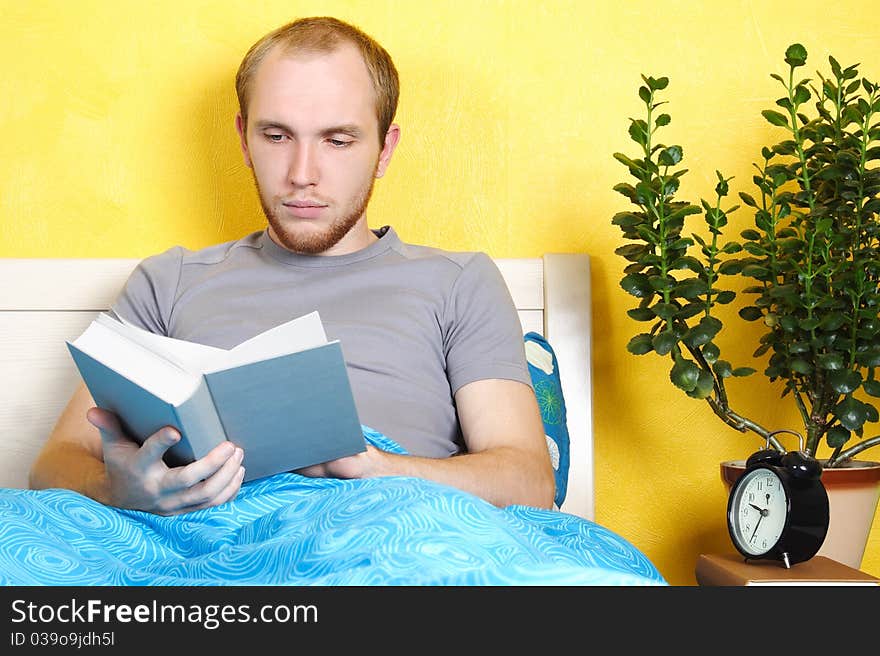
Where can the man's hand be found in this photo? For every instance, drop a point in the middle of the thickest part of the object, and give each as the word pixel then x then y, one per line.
pixel 360 465
pixel 506 461
pixel 139 479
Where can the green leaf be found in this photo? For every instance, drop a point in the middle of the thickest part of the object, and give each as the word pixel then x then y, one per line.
pixel 697 336
pixel 657 84
pixel 627 190
pixel 872 387
pixel 705 385
pixel 641 314
pixel 685 374
pixel 832 321
pixel 648 234
pixel 664 342
pixel 741 372
pixel 687 262
pixel 837 436
pixel 755 271
pixel 747 199
pixel 844 381
pixel 670 156
pixel 851 413
pixel 723 369
pixel 835 66
pixel 711 352
pixel 683 212
pixel 783 291
pixel 830 361
pixel 801 366
pixel 790 324
pixel 869 357
pixel 775 118
pixel 801 94
pixel 636 284
pixel 663 119
pixel 661 283
pixel 691 289
pixel 798 347
pixel 787 147
pixel 665 310
pixel 627 219
pixel 731 267
pixel 638 131
pixel 750 313
pixel 795 55
pixel 690 310
pixel 632 252
pixel 640 344
pixel 725 297
pixel 628 162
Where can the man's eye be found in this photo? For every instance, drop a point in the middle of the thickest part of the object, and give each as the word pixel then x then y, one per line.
pixel 274 137
pixel 339 143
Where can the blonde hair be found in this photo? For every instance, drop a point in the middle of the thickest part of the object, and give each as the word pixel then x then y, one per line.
pixel 325 34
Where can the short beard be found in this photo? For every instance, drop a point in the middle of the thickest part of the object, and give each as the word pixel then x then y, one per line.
pixel 314 244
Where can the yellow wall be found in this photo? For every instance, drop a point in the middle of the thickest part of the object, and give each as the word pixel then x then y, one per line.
pixel 118 140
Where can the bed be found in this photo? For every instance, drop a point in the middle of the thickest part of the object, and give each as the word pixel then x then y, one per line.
pixel 288 529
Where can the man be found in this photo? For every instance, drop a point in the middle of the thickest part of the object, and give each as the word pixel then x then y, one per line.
pixel 432 342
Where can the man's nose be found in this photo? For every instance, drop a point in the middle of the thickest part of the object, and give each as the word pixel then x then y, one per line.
pixel 304 167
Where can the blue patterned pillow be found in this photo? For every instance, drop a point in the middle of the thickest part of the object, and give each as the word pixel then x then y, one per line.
pixel 544 370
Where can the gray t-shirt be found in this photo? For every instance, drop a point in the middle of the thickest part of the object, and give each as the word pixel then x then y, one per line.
pixel 415 323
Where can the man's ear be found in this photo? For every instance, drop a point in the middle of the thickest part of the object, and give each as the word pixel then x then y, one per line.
pixel 392 137
pixel 242 135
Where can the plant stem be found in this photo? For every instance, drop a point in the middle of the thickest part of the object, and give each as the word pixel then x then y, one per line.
pixel 853 450
pixel 721 407
pixel 809 301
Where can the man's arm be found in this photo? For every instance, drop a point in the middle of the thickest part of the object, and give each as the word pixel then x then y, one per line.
pixel 507 461
pixel 89 453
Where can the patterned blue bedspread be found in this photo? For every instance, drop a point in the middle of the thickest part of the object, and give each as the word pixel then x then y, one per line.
pixel 292 530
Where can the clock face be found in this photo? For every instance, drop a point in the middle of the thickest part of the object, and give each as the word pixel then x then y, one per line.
pixel 758 510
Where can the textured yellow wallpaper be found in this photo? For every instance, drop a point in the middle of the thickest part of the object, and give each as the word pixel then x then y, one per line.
pixel 118 140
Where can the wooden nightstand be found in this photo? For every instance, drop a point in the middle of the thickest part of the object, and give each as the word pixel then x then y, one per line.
pixel 732 570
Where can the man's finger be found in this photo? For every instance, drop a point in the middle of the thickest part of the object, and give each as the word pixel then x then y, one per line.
pixel 205 467
pixel 107 424
pixel 155 446
pixel 207 490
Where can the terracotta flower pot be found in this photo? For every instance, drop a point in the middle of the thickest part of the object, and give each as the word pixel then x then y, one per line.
pixel 853 493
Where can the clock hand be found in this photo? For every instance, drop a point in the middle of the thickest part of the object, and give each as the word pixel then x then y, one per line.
pixel 764 512
pixel 756 526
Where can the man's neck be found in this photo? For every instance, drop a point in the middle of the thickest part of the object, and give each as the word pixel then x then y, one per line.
pixel 357 239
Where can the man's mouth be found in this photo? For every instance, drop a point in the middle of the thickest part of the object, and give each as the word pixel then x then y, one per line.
pixel 305 209
pixel 303 203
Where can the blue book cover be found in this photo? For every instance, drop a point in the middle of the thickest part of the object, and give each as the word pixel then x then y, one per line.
pixel 286 411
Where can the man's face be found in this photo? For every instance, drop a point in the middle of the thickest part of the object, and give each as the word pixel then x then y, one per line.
pixel 312 141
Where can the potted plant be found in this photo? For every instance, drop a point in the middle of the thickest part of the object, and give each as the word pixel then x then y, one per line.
pixel 812 261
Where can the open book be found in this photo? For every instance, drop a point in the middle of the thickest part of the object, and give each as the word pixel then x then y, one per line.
pixel 283 396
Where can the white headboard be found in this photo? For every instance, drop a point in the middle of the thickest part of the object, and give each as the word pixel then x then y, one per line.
pixel 44 302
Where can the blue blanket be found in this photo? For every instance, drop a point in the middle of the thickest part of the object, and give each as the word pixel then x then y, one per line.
pixel 292 530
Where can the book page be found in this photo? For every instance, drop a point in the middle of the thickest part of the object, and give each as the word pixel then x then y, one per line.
pixel 136 362
pixel 298 334
pixel 191 356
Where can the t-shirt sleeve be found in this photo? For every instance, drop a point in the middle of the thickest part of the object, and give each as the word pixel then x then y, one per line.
pixel 148 296
pixel 483 336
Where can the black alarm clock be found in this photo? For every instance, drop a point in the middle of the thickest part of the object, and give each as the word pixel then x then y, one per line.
pixel 778 508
